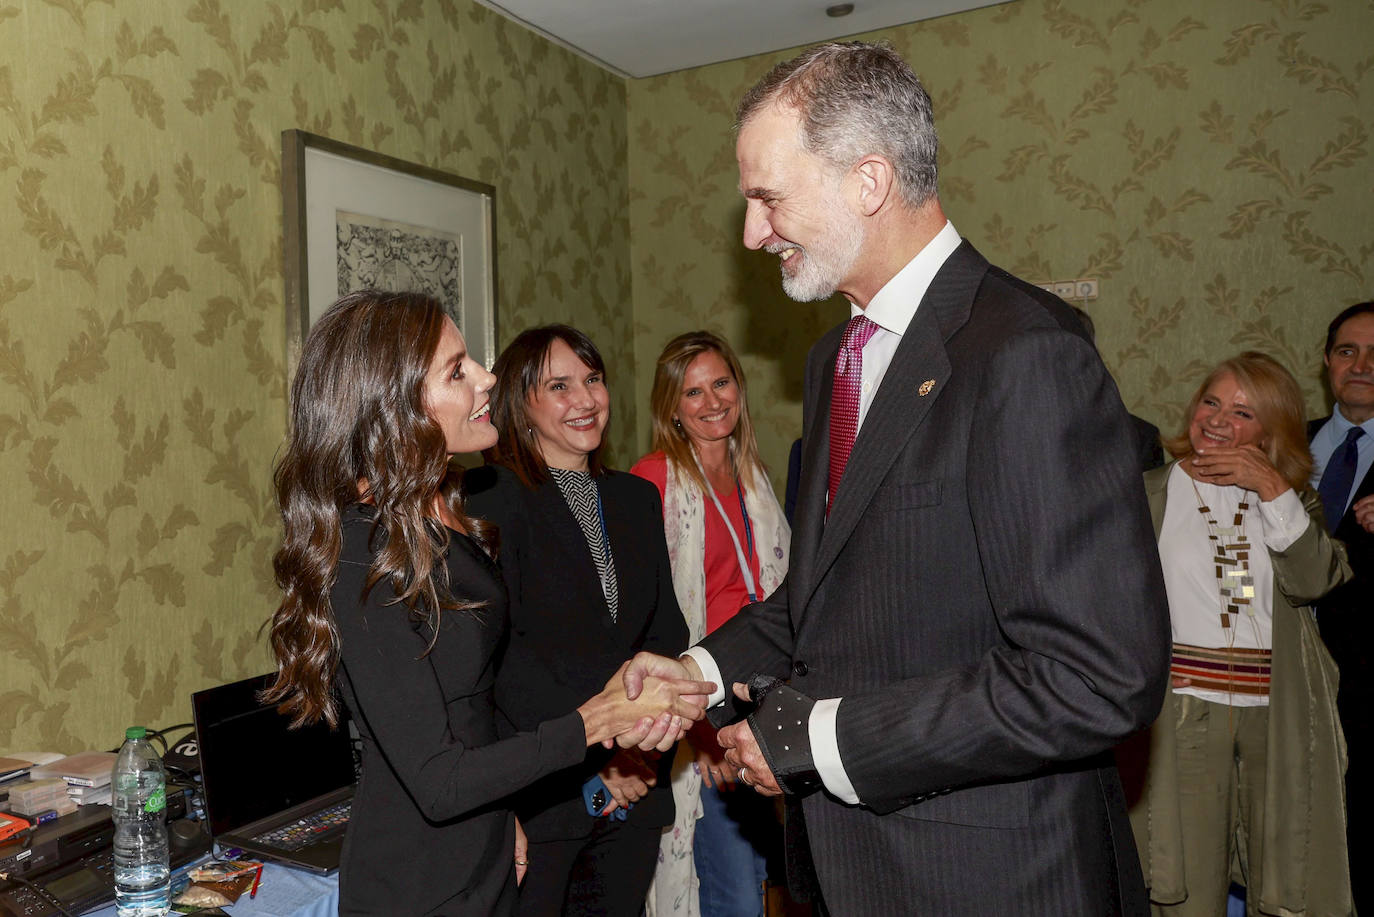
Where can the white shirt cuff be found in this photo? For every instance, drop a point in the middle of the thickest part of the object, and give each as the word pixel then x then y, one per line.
pixel 709 672
pixel 1285 519
pixel 825 751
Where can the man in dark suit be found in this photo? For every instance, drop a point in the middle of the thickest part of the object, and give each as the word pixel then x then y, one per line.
pixel 974 613
pixel 1343 447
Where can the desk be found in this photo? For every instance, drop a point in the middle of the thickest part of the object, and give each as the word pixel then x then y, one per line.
pixel 283 893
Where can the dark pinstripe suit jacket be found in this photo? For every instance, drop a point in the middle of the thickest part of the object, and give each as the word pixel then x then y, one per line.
pixel 986 597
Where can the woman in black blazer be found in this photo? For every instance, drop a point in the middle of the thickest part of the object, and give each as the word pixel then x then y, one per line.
pixel 390 594
pixel 586 566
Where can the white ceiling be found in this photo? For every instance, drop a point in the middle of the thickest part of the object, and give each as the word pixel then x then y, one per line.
pixel 646 37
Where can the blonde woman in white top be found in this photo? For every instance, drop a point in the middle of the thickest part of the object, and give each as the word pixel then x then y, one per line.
pixel 1244 763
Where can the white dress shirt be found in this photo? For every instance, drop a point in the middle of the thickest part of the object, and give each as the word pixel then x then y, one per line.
pixel 892 309
pixel 1331 437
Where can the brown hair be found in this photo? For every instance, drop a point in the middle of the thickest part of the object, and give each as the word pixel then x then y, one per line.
pixel 1278 405
pixel 518 370
pixel 358 415
pixel 669 437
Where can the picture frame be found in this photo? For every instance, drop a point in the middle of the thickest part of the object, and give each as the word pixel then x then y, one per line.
pixel 357 219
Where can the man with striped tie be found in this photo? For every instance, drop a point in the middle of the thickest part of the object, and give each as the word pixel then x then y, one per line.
pixel 1343 449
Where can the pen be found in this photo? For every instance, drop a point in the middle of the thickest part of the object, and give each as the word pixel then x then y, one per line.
pixel 256 879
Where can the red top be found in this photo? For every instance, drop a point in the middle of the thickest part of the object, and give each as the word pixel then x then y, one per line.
pixel 725 592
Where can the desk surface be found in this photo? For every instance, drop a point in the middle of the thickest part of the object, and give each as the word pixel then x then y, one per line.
pixel 283 892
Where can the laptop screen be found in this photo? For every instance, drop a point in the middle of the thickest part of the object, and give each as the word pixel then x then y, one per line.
pixel 254 766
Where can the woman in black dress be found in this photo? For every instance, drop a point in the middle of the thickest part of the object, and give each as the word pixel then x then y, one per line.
pixel 584 558
pixel 390 594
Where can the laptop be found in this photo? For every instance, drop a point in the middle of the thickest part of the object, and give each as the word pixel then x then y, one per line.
pixel 280 794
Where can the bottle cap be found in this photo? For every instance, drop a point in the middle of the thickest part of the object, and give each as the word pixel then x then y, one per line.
pixel 136 732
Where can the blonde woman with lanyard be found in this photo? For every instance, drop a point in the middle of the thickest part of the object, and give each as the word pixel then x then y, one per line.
pixel 1244 763
pixel 728 545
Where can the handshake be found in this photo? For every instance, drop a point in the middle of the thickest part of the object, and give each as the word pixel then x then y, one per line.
pixel 649 703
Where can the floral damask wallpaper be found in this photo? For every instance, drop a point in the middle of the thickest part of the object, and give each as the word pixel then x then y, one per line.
pixel 1208 163
pixel 142 334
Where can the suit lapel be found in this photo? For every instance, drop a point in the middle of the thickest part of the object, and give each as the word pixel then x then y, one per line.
pixel 916 377
pixel 810 519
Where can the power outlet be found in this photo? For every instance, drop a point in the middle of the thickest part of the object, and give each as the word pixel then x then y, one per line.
pixel 1085 289
pixel 1065 289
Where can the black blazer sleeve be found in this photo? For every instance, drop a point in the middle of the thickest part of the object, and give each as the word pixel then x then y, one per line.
pixel 431 715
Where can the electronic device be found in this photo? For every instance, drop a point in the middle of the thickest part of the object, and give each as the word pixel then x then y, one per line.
pixel 73 836
pixel 597 797
pixel 87 882
pixel 10 825
pixel 278 793
pixel 183 755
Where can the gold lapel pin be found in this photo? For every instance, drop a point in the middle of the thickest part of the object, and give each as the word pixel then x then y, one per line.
pixel 925 388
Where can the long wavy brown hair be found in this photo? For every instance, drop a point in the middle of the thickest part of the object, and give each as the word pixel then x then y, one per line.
pixel 359 431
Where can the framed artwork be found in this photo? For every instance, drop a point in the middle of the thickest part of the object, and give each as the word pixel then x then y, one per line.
pixel 357 220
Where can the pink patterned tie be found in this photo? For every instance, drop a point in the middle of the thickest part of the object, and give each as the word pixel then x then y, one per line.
pixel 844 399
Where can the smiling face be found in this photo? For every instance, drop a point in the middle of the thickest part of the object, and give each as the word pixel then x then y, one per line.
pixel 1350 367
pixel 795 207
pixel 456 388
pixel 568 409
pixel 1224 417
pixel 709 407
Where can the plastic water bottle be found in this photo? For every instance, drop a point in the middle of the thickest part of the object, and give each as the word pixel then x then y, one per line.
pixel 140 820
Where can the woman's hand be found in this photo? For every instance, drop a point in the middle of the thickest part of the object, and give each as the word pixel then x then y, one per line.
pixel 522 853
pixel 611 713
pixel 710 758
pixel 628 778
pixel 1242 466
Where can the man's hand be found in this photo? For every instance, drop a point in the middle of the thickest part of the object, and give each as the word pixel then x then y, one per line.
pixel 742 753
pixel 1364 513
pixel 660 734
pixel 612 714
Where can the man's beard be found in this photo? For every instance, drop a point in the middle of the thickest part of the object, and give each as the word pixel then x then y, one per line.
pixel 825 265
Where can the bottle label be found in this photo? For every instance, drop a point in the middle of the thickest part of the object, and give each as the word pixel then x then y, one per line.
pixel 157 801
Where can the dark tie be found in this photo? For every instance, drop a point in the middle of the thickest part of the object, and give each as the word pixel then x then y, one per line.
pixel 1338 478
pixel 844 399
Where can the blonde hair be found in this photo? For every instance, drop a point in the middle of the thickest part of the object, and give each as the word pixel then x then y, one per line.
pixel 1278 404
pixel 669 437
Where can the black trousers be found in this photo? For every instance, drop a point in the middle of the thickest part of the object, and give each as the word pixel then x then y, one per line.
pixel 605 874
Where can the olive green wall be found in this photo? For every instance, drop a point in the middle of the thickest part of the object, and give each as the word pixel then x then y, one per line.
pixel 142 335
pixel 1207 162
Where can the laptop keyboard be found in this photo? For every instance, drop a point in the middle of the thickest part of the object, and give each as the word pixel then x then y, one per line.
pixel 305 831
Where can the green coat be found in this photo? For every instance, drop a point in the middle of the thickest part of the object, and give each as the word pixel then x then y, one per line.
pixel 1304 868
